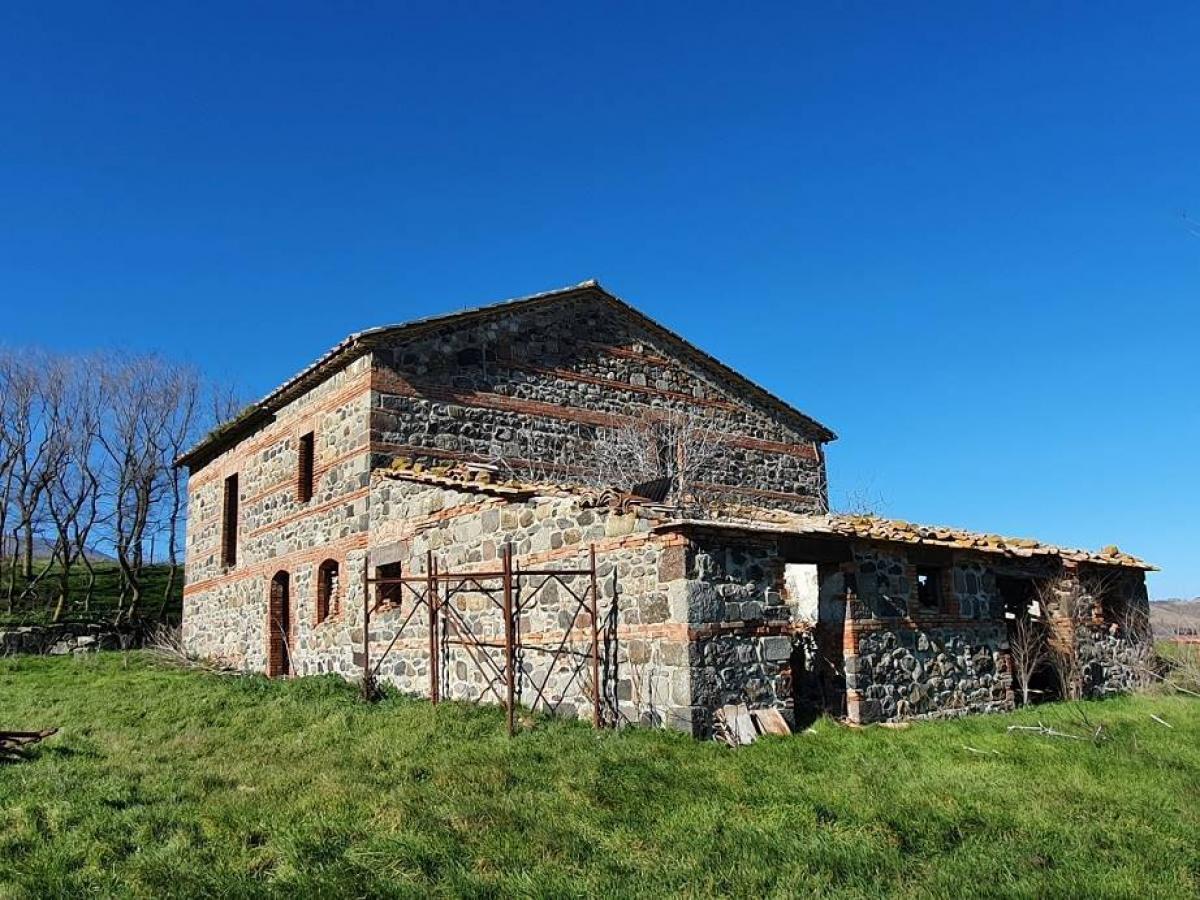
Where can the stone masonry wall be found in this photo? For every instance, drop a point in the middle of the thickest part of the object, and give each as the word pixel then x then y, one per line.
pixel 1116 648
pixel 69 638
pixel 905 673
pixel 744 629
pixel 537 383
pixel 904 660
pixel 645 673
pixel 225 608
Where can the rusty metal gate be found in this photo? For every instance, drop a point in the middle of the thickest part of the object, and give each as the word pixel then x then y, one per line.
pixel 436 598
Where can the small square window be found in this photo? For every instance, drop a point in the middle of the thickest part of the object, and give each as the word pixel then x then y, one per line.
pixel 389 594
pixel 929 591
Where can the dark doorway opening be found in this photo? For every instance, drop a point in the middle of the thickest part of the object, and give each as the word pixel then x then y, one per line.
pixel 1028 635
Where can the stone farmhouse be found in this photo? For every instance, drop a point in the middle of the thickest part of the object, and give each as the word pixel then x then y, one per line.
pixel 358 518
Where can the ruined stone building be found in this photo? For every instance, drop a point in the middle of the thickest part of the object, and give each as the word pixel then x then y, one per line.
pixel 567 424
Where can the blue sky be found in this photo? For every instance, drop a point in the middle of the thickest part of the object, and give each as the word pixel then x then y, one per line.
pixel 953 233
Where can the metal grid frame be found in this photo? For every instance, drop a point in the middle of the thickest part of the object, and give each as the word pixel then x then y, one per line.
pixel 511 591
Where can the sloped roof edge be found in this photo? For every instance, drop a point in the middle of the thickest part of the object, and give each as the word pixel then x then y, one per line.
pixel 360 342
pixel 874 528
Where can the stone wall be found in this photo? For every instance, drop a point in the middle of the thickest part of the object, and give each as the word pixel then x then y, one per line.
pixel 1117 646
pixel 536 384
pixel 645 668
pixel 906 660
pixel 1114 662
pixel 225 608
pixel 975 590
pixel 747 637
pixel 906 673
pixel 68 638
pixel 886 586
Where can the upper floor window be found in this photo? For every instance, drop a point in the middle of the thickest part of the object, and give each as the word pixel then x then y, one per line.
pixel 304 470
pixel 229 522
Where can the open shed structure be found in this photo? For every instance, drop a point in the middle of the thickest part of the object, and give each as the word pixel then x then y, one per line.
pixel 427 504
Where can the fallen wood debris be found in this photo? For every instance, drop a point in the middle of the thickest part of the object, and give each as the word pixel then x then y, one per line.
pixel 770 721
pixel 13 743
pixel 1041 729
pixel 737 725
pixel 1162 722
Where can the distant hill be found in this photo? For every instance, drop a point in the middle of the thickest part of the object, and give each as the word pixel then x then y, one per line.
pixel 43 548
pixel 1172 617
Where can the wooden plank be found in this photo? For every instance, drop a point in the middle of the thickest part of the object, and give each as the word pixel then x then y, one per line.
pixel 738 724
pixel 771 721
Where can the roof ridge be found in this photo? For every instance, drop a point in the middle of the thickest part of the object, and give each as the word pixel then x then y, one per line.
pixel 358 342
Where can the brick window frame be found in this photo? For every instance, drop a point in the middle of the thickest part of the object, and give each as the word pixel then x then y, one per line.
pixel 229 522
pixel 280 625
pixel 329 589
pixel 305 462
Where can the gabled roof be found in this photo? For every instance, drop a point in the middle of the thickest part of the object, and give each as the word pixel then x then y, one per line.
pixel 362 342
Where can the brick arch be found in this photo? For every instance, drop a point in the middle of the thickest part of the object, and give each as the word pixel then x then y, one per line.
pixel 279 626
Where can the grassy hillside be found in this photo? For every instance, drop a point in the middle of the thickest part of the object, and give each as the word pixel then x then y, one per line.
pixel 1173 617
pixel 165 782
pixel 37 609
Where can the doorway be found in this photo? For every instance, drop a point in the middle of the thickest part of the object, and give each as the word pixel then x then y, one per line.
pixel 1028 630
pixel 279 622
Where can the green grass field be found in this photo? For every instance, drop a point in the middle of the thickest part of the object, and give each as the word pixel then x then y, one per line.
pixel 171 783
pixel 36 610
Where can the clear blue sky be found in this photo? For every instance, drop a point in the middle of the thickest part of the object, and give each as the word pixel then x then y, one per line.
pixel 953 233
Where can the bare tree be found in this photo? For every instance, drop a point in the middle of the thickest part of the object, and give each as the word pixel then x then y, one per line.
pixel 1138 633
pixel 29 436
pixel 182 407
pixel 72 493
pixel 87 446
pixel 1029 650
pixel 9 447
pixel 861 501
pixel 1079 608
pixel 1068 610
pixel 225 403
pixel 140 396
pixel 672 445
pixel 550 460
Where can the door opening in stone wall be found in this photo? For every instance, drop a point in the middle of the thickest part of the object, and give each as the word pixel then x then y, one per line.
pixel 815 586
pixel 1028 640
pixel 279 620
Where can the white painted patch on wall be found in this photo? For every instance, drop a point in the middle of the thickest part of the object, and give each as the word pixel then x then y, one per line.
pixel 803 590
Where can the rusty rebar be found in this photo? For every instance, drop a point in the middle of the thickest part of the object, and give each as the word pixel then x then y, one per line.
pixel 509 655
pixel 595 643
pixel 367 687
pixel 431 599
